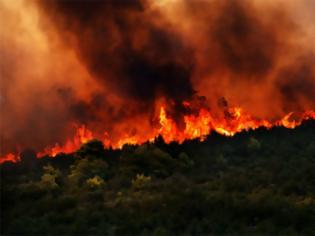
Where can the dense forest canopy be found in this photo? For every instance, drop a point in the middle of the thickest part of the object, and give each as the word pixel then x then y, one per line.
pixel 256 183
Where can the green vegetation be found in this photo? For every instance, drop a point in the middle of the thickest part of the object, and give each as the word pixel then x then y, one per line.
pixel 257 183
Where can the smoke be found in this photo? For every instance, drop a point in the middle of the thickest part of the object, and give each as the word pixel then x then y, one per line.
pixel 123 49
pixel 33 66
pixel 297 84
pixel 110 64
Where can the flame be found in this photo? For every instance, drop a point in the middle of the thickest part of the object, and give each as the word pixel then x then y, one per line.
pixel 196 126
pixel 168 128
pixel 10 157
pixel 82 136
pixel 287 123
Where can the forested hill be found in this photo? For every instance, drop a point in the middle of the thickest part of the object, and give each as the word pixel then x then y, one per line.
pixel 255 183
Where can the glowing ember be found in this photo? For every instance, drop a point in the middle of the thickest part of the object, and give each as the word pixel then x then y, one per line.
pixel 9 157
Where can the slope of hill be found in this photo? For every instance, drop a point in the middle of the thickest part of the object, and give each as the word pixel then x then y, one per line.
pixel 257 182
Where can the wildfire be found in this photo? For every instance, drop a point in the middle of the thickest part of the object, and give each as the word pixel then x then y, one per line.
pixel 82 136
pixel 196 126
pixel 168 128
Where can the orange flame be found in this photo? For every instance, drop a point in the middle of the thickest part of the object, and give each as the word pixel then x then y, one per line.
pixel 168 128
pixel 82 136
pixel 196 126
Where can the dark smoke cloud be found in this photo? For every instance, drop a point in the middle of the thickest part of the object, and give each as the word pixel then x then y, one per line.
pixel 296 84
pixel 107 34
pixel 129 54
pixel 126 50
pixel 245 45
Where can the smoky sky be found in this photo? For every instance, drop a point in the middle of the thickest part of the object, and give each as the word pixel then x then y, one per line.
pixel 297 83
pixel 125 49
pixel 245 45
pixel 107 34
pixel 107 63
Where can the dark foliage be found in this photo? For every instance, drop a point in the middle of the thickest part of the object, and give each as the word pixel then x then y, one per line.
pixel 256 183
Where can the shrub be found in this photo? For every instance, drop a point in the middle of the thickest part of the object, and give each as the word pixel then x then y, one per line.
pixel 84 169
pixel 140 181
pixel 253 144
pixel 48 179
pixel 95 182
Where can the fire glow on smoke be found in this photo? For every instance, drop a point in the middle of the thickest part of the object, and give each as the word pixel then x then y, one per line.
pixel 198 126
pixel 129 71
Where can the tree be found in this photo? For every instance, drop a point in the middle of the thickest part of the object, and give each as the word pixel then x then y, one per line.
pixel 140 181
pixel 92 149
pixel 85 168
pixel 49 178
pixel 95 182
pixel 253 144
pixel 28 158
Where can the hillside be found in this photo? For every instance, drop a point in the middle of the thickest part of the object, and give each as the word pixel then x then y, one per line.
pixel 255 183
